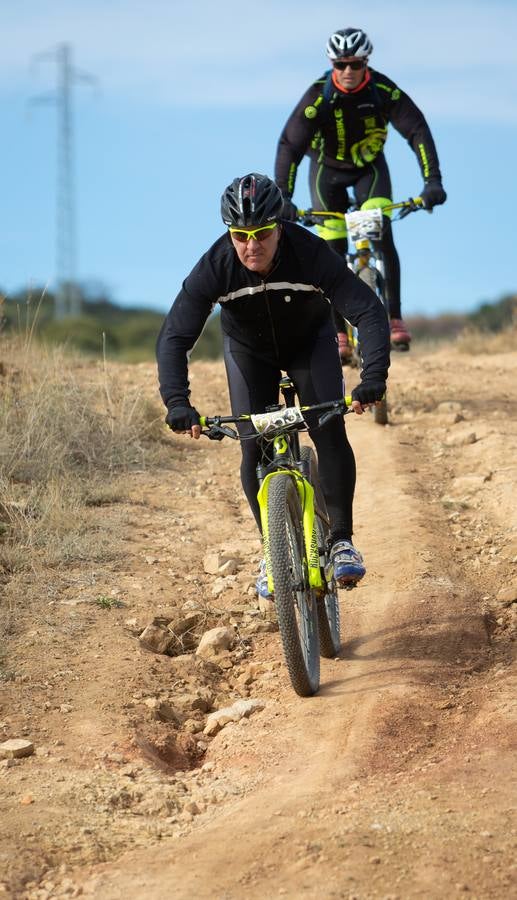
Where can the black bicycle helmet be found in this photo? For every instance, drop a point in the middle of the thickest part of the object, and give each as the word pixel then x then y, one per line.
pixel 251 200
pixel 349 42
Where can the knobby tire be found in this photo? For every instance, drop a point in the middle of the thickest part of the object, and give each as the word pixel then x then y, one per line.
pixel 328 605
pixel 295 602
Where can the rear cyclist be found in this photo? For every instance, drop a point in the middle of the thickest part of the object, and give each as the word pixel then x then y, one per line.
pixel 275 283
pixel 341 122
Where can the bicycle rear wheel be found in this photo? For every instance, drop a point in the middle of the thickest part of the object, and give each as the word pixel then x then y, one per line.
pixel 328 605
pixel 371 277
pixel 295 602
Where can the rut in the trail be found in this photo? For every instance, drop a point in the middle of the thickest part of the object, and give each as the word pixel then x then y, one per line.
pixel 394 780
pixel 350 788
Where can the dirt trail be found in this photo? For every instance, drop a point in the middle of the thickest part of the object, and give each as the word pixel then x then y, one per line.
pixel 395 781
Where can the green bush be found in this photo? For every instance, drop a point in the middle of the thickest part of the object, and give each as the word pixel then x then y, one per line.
pixel 495 316
pixel 210 344
pixel 84 334
pixel 130 334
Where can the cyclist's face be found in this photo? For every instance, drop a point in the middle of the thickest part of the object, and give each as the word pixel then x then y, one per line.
pixel 258 256
pixel 350 78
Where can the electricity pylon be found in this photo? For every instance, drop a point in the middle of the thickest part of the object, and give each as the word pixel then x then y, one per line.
pixel 68 300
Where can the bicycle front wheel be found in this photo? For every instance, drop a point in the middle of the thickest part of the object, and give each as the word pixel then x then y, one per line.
pixel 328 606
pixel 371 277
pixel 295 602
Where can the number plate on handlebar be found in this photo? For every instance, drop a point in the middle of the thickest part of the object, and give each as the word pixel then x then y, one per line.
pixel 279 420
pixel 364 223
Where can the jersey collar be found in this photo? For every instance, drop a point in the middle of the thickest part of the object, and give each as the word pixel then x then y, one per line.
pixel 359 87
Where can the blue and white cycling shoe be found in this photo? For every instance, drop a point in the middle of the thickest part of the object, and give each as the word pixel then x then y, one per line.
pixel 346 564
pixel 261 583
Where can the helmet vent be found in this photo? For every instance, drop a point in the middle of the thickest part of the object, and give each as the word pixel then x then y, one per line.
pixel 252 200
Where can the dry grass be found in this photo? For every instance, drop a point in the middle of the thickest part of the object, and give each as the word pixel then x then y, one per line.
pixel 67 430
pixel 56 418
pixel 481 343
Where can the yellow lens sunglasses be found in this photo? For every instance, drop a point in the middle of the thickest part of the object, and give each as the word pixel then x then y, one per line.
pixel 243 235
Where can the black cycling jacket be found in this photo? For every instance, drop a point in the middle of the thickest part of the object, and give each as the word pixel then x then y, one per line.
pixel 271 316
pixel 348 130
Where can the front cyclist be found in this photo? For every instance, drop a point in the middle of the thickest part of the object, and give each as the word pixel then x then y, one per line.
pixel 341 123
pixel 276 283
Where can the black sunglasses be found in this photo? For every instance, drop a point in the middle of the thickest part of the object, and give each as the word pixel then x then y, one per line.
pixel 356 64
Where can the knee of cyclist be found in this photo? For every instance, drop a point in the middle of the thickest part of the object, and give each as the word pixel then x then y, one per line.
pixel 332 230
pixel 330 437
pixel 378 203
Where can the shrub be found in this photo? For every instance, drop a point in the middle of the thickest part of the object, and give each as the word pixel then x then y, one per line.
pixel 84 334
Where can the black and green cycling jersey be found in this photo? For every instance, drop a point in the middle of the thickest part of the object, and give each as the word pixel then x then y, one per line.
pixel 348 130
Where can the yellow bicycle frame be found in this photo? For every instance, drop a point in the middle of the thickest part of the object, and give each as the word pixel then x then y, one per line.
pixel 306 494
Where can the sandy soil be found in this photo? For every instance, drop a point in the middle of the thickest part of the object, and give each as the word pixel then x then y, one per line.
pixel 395 781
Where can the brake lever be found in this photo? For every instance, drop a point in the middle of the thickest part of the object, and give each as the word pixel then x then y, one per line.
pixel 218 432
pixel 306 218
pixel 411 207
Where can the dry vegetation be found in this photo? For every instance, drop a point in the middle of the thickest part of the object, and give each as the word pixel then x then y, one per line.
pixel 482 343
pixel 67 432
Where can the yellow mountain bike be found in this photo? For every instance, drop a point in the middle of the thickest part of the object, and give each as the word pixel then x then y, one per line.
pixel 295 531
pixel 364 231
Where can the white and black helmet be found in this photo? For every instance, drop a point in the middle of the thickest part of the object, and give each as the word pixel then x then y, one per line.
pixel 349 42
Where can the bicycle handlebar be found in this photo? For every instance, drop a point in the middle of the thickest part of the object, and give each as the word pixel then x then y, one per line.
pixel 215 426
pixel 413 204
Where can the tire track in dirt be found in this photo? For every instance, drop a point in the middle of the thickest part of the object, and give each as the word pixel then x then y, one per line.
pixel 395 780
pixel 348 792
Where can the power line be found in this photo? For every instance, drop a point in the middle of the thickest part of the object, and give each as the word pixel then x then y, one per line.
pixel 68 300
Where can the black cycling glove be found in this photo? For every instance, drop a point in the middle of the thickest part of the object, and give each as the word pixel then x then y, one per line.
pixel 369 391
pixel 182 418
pixel 289 210
pixel 433 193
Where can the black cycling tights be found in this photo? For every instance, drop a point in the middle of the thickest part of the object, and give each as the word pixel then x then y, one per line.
pixel 316 373
pixel 329 191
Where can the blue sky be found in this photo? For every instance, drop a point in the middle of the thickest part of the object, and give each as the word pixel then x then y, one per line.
pixel 193 93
